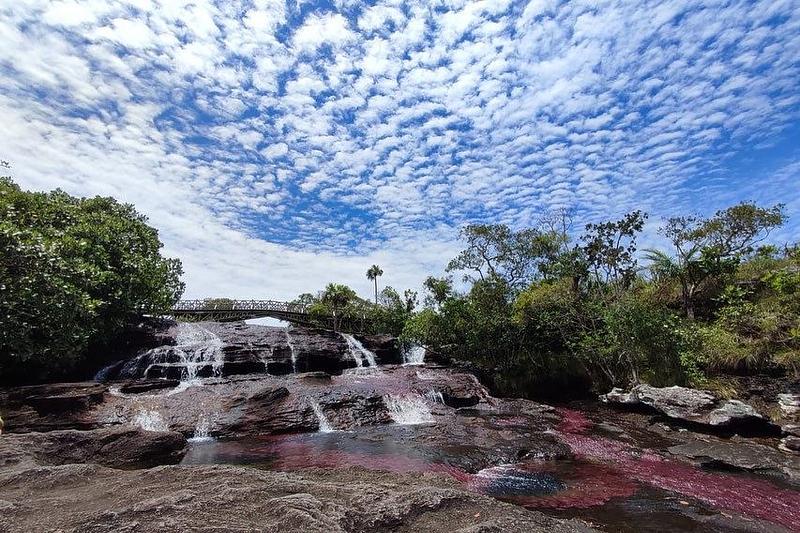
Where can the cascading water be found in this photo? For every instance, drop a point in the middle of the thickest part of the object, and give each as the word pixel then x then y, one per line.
pixel 435 396
pixel 324 425
pixel 358 352
pixel 202 431
pixel 408 410
pixel 196 346
pixel 150 421
pixel 414 355
pixel 291 351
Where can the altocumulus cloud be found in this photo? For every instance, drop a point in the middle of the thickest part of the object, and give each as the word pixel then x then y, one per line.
pixel 279 145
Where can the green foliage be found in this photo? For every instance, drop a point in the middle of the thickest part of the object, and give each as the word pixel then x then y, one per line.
pixel 73 273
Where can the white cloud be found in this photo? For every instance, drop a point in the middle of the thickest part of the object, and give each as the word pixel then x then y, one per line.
pixel 281 146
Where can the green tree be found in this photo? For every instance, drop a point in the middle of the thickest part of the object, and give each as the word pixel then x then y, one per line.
pixel 373 274
pixel 73 273
pixel 707 248
pixel 336 297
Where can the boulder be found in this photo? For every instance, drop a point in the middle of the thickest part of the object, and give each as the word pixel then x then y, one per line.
pixel 696 407
pixel 51 406
pixel 116 447
pixel 748 456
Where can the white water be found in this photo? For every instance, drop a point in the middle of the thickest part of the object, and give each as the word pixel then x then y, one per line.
pixel 414 355
pixel 435 396
pixel 291 351
pixel 408 410
pixel 196 346
pixel 150 421
pixel 202 431
pixel 358 352
pixel 324 425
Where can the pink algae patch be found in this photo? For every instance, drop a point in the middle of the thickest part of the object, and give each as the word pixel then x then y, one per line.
pixel 748 497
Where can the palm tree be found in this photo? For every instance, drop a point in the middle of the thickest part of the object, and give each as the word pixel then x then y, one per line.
pixel 373 274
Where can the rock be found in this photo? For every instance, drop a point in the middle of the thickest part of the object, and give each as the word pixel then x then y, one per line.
pixel 384 347
pixel 248 349
pixel 790 444
pixel 230 498
pixel 137 387
pixel 789 404
pixel 696 407
pixel 52 406
pixel 119 447
pixel 619 397
pixel 740 455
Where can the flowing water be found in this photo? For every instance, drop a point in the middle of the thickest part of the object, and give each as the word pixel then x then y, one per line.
pixel 415 355
pixel 324 425
pixel 150 421
pixel 358 352
pixel 202 431
pixel 292 352
pixel 408 410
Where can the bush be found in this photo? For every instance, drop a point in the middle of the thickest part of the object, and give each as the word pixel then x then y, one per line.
pixel 73 273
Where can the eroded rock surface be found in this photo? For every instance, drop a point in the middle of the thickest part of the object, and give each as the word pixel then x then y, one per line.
pixel 229 498
pixel 121 447
pixel 694 406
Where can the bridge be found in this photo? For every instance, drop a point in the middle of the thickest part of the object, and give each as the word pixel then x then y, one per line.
pixel 226 310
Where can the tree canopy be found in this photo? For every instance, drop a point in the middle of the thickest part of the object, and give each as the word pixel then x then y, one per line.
pixel 73 273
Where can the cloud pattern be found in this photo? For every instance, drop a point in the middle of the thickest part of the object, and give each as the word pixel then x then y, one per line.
pixel 293 142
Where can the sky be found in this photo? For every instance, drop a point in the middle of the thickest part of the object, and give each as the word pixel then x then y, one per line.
pixel 280 145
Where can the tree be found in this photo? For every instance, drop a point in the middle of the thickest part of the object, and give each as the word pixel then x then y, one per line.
pixel 610 249
pixel 337 297
pixel 496 251
pixel 439 289
pixel 373 274
pixel 705 248
pixel 73 273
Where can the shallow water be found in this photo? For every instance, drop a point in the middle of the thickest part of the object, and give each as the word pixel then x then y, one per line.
pixel 609 483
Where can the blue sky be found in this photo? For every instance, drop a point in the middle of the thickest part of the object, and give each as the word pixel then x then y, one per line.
pixel 281 145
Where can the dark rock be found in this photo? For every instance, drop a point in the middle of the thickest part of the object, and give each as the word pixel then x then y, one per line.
pixel 740 455
pixel 119 447
pixel 50 407
pixel 384 347
pixel 136 387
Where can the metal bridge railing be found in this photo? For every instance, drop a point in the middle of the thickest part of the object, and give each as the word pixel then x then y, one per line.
pixel 199 306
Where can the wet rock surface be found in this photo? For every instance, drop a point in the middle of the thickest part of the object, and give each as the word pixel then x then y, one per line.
pixel 238 348
pixel 345 447
pixel 229 498
pixel 726 454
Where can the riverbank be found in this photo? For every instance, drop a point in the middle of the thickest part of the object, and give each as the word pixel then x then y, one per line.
pixel 374 446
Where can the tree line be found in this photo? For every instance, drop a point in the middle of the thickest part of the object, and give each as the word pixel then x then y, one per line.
pixel 540 311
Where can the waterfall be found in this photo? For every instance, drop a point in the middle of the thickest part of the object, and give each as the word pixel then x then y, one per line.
pixel 358 352
pixel 150 421
pixel 202 430
pixel 324 424
pixel 408 410
pixel 291 351
pixel 435 396
pixel 415 355
pixel 196 346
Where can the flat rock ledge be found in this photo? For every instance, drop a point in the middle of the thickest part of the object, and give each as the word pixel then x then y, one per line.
pixel 116 447
pixel 733 455
pixel 699 408
pixel 230 498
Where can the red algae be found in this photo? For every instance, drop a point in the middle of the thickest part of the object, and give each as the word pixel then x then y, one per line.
pixel 748 497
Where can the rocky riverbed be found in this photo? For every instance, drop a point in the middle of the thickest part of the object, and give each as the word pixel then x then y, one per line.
pixel 240 427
